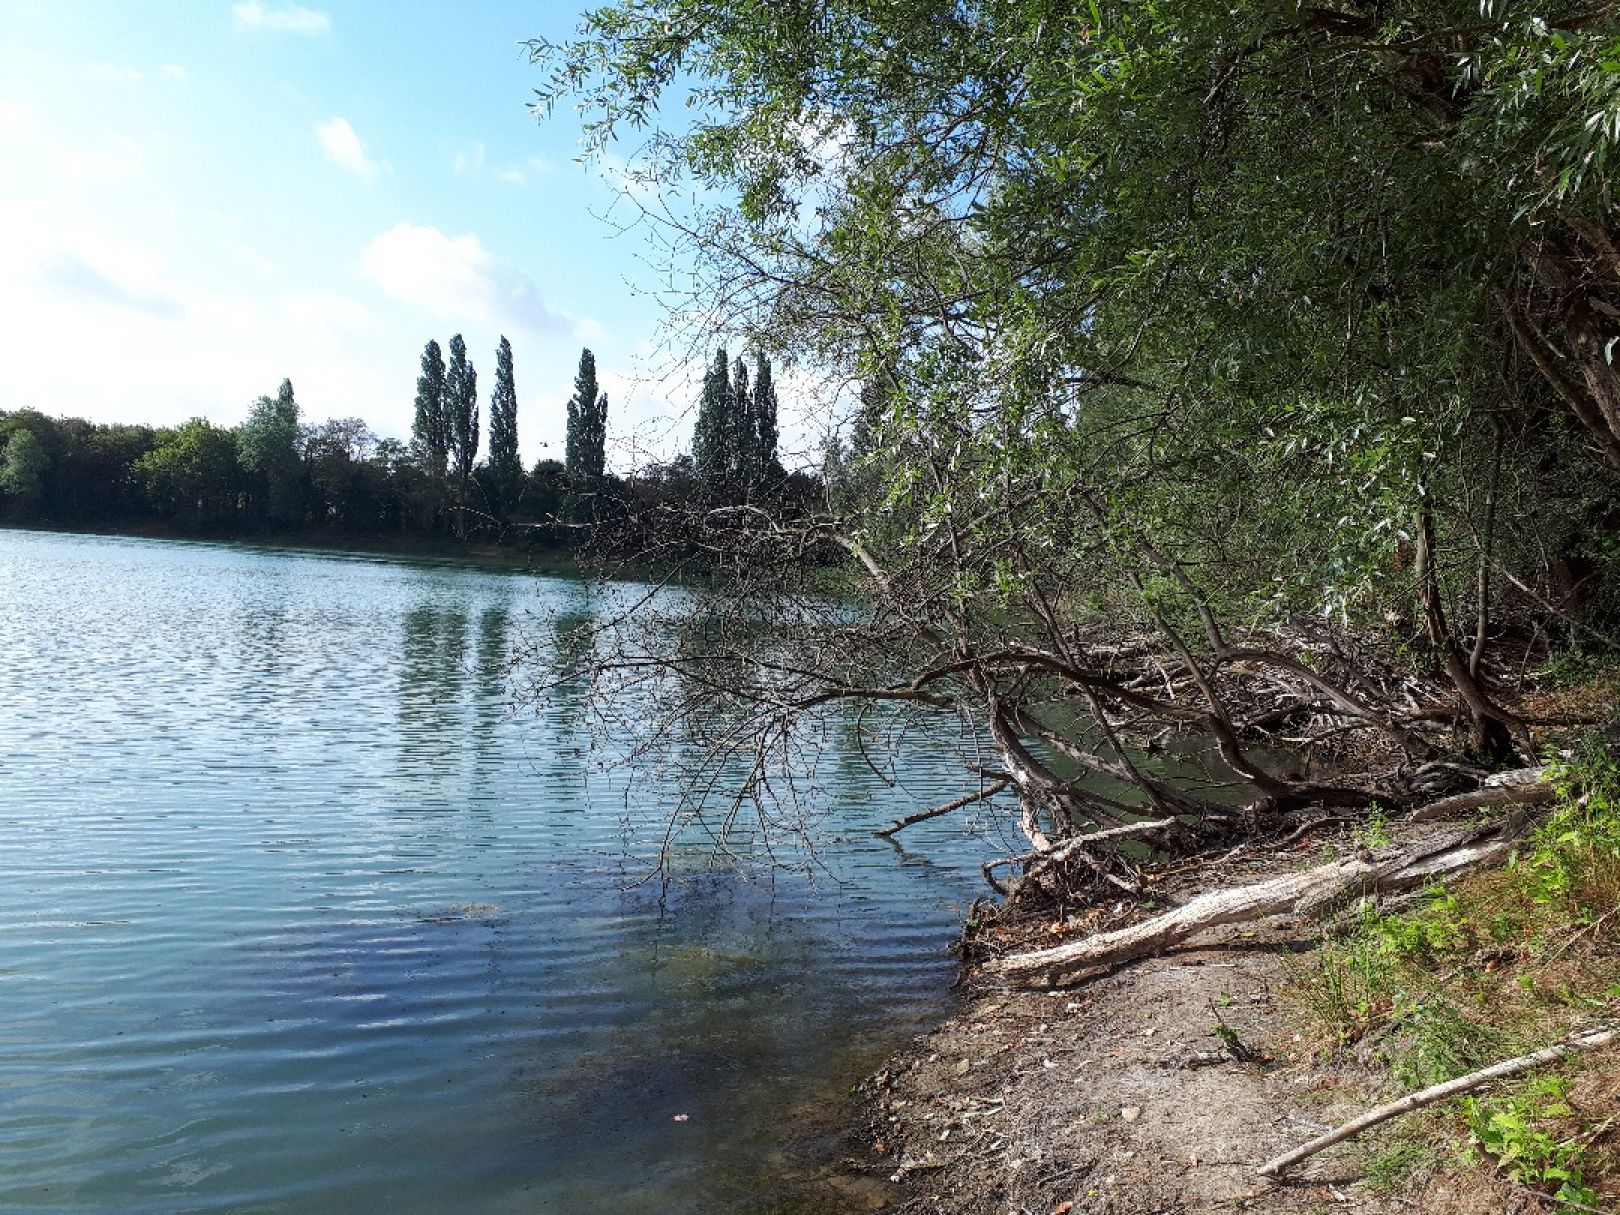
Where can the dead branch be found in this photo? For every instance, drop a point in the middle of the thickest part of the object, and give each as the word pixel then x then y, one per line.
pixel 1308 892
pixel 1522 787
pixel 1584 1040
pixel 900 824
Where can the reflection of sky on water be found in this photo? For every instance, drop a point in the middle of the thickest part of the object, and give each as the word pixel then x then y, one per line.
pixel 298 918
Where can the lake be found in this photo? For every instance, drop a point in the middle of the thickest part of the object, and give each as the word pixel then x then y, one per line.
pixel 296 915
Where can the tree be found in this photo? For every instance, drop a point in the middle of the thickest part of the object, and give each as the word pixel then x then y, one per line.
pixel 94 476
pixel 714 437
pixel 461 405
pixel 23 465
pixel 545 498
pixel 267 444
pixel 430 432
pixel 347 485
pixel 505 465
pixel 741 425
pixel 193 476
pixel 1201 327
pixel 764 465
pixel 585 452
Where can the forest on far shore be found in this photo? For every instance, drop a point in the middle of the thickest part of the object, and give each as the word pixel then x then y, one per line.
pixel 456 479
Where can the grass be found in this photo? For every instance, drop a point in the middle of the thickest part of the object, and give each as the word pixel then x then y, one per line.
pixel 1497 965
pixel 1402 1157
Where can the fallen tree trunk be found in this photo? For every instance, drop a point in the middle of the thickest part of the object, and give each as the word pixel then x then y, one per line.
pixel 1304 893
pixel 1587 1039
pixel 1521 787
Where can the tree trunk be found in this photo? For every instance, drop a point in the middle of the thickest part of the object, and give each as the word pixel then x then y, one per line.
pixel 1308 892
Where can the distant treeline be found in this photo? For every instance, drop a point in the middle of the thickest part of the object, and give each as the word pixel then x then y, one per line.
pixel 274 474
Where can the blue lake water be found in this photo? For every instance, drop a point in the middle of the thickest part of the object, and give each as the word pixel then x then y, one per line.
pixel 296 916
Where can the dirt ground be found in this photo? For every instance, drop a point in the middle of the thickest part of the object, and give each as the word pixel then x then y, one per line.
pixel 1125 1097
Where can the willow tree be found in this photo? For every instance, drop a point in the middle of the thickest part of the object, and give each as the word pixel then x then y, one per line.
pixel 1231 356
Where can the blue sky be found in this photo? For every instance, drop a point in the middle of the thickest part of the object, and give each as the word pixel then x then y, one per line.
pixel 200 198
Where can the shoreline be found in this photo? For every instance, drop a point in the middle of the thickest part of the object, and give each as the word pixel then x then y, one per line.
pixel 558 563
pixel 1119 1097
pixel 1162 1085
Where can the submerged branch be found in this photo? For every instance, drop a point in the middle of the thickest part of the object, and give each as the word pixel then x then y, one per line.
pixel 900 824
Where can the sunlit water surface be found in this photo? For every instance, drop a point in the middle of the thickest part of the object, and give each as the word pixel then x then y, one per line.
pixel 296 916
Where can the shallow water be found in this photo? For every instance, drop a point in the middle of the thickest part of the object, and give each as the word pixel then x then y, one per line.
pixel 294 916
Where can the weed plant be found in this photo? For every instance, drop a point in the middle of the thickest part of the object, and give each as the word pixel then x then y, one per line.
pixel 1499 964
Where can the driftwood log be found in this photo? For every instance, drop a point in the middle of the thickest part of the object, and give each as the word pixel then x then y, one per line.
pixel 1584 1040
pixel 1308 892
pixel 1522 787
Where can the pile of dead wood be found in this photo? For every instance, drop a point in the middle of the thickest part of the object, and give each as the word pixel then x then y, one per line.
pixel 1308 892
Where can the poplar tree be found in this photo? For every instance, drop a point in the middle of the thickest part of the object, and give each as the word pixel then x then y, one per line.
pixel 762 422
pixel 505 465
pixel 585 454
pixel 430 436
pixel 713 438
pixel 740 423
pixel 461 403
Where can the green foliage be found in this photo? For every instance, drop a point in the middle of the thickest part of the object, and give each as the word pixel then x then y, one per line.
pixel 586 448
pixel 1373 831
pixel 1439 1039
pixel 267 444
pixel 1216 275
pixel 734 439
pixel 348 485
pixel 430 432
pixel 505 464
pixel 23 465
pixel 1391 1169
pixel 1357 981
pixel 193 474
pixel 714 436
pixel 461 410
pixel 1473 975
pixel 1573 860
pixel 763 466
pixel 1521 1133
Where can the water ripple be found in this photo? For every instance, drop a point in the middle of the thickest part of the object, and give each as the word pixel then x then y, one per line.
pixel 297 919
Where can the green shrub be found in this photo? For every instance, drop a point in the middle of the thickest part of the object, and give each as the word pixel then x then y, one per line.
pixel 1520 1133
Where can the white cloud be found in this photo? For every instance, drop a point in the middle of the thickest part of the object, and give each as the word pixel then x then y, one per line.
pixel 328 322
pixel 514 177
pixel 457 279
pixel 174 71
pixel 469 162
pixel 60 260
pixel 121 159
pixel 84 279
pixel 343 148
pixel 291 19
pixel 113 73
pixel 15 119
